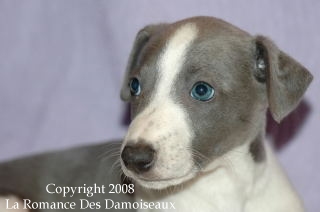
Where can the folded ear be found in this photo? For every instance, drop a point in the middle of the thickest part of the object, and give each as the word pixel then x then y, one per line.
pixel 141 40
pixel 285 78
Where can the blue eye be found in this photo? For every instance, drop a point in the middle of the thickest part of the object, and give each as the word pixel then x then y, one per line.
pixel 202 91
pixel 135 88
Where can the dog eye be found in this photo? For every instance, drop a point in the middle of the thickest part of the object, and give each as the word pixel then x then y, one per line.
pixel 202 91
pixel 135 88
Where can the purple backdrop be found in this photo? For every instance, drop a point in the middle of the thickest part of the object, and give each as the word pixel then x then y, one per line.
pixel 61 66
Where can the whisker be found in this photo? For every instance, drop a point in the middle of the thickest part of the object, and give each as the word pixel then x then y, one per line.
pixel 108 151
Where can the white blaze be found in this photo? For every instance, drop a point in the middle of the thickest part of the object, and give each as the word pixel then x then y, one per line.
pixel 164 123
pixel 169 66
pixel 173 58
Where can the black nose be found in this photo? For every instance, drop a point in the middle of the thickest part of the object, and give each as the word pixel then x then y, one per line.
pixel 138 158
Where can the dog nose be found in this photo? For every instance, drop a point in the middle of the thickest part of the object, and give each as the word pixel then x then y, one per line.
pixel 138 158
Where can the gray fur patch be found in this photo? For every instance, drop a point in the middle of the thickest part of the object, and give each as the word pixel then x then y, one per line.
pixel 225 60
pixel 257 150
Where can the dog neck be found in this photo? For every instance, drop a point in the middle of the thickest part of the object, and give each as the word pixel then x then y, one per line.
pixel 232 178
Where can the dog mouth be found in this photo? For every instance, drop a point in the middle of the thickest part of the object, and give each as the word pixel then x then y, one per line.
pixel 159 179
pixel 157 182
pixel 164 183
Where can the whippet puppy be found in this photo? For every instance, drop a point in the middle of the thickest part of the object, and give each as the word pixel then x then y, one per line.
pixel 199 90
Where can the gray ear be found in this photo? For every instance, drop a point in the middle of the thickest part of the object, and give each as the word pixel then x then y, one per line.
pixel 141 40
pixel 286 79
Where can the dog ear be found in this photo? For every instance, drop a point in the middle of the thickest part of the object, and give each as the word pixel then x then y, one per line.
pixel 142 38
pixel 285 78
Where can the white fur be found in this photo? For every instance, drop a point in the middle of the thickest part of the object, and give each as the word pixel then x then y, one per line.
pixel 235 183
pixel 164 124
pixel 231 183
pixel 4 207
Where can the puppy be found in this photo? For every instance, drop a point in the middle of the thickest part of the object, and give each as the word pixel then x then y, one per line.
pixel 199 90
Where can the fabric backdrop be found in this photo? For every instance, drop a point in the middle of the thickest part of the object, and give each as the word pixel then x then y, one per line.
pixel 62 62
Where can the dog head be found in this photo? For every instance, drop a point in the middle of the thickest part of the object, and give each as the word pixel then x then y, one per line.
pixel 198 88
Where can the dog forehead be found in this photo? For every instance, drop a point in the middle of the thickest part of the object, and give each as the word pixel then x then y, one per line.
pixel 212 34
pixel 221 53
pixel 207 28
pixel 180 46
pixel 173 56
